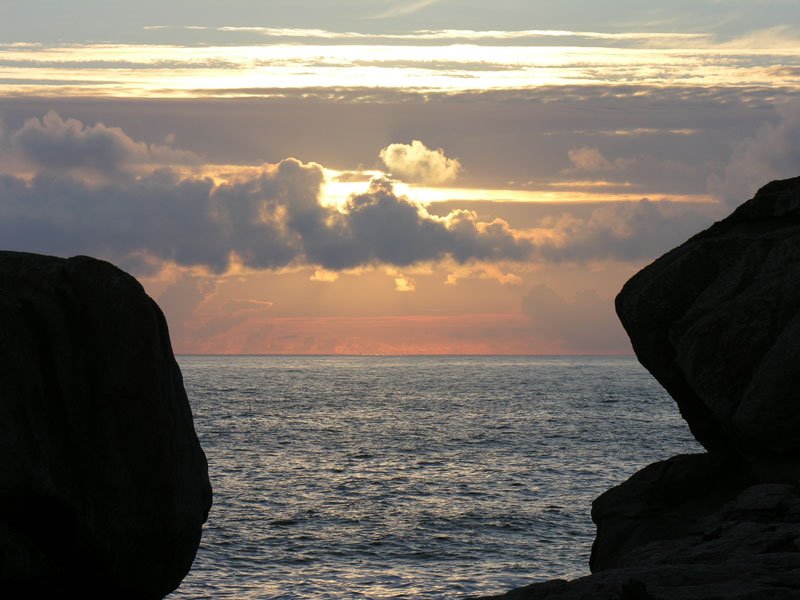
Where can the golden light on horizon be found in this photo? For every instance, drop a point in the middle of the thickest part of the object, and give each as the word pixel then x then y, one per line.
pixel 337 193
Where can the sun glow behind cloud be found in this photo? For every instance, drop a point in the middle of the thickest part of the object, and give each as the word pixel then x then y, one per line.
pixel 416 187
pixel 336 193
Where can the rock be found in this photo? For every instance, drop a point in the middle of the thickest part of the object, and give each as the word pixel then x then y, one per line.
pixel 717 323
pixel 682 547
pixel 664 501
pixel 103 484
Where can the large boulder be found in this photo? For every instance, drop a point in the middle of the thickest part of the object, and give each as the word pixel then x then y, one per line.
pixel 717 323
pixel 670 534
pixel 665 501
pixel 103 484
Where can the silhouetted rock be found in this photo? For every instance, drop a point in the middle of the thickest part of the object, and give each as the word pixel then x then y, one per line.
pixel 664 501
pixel 749 548
pixel 717 322
pixel 103 484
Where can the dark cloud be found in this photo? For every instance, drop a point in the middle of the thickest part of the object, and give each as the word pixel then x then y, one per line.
pixel 381 227
pixel 266 221
pixel 275 218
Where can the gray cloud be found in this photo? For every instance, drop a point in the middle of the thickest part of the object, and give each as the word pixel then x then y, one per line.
pixel 772 153
pixel 629 231
pixel 56 143
pixel 512 137
pixel 274 218
pixel 269 220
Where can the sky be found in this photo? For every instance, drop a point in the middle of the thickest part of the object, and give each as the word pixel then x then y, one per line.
pixel 389 177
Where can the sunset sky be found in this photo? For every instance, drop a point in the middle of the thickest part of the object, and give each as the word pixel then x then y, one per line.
pixel 380 176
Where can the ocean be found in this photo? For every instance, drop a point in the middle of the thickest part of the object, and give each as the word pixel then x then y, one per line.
pixel 412 477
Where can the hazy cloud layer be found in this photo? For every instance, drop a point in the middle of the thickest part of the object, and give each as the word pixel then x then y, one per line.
pixel 89 19
pixel 772 153
pixel 629 231
pixel 585 323
pixel 273 217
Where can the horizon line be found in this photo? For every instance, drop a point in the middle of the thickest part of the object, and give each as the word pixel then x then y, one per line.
pixel 390 355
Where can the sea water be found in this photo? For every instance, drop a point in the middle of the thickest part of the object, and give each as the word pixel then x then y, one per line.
pixel 412 477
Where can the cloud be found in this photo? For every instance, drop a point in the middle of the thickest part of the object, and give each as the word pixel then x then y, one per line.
pixel 482 271
pixel 63 144
pixel 405 8
pixel 584 323
pixel 266 219
pixel 588 159
pixel 772 153
pixel 324 276
pixel 416 163
pixel 273 217
pixel 403 283
pixel 247 303
pixel 380 227
pixel 779 37
pixel 776 37
pixel 628 231
pixel 354 177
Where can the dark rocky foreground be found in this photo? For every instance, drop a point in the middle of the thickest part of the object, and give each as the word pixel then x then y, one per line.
pixel 103 484
pixel 717 323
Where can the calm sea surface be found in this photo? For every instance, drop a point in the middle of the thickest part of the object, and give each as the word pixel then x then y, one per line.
pixel 412 477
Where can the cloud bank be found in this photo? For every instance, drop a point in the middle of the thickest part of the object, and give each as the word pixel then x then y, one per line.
pixel 273 217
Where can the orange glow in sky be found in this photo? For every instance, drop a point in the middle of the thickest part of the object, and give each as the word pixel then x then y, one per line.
pixel 311 186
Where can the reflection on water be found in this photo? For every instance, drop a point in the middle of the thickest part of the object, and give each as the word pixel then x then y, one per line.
pixel 412 477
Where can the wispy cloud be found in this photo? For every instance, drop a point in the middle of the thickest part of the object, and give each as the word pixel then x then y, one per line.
pixel 180 71
pixel 449 35
pixel 405 8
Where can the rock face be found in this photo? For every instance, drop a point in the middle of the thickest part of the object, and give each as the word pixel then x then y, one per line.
pixel 103 484
pixel 717 323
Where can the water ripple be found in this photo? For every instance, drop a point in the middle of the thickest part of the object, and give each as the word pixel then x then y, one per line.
pixel 412 477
